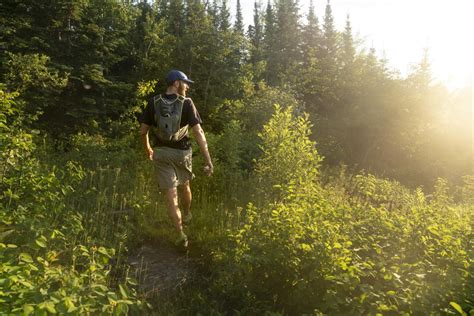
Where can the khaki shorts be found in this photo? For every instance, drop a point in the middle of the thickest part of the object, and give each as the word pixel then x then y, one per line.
pixel 173 166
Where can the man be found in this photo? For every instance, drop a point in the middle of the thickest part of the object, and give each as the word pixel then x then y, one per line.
pixel 169 116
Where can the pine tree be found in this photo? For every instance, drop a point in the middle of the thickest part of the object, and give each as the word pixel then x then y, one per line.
pixel 152 42
pixel 329 32
pixel 287 41
pixel 348 81
pixel 224 17
pixel 88 41
pixel 239 40
pixel 162 8
pixel 269 45
pixel 348 45
pixel 212 12
pixel 347 112
pixel 311 37
pixel 255 35
pixel 175 18
pixel 328 64
pixel 239 20
pixel 421 76
pixel 309 86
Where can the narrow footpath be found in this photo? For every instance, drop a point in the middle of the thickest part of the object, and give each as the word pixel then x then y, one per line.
pixel 161 269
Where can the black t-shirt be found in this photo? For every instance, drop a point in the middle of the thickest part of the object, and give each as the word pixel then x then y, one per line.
pixel 189 116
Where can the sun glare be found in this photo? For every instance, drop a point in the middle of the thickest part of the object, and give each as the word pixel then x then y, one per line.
pixel 401 30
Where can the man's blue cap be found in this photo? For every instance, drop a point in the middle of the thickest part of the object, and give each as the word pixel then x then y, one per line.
pixel 174 75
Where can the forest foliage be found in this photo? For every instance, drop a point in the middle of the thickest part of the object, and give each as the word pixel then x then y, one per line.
pixel 341 187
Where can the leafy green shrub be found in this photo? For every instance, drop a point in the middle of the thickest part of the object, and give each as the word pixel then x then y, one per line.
pixel 359 245
pixel 48 263
pixel 290 160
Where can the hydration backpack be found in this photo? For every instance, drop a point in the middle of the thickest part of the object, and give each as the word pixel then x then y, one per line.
pixel 168 119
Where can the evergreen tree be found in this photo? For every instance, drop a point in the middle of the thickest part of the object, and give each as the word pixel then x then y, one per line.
pixel 162 8
pixel 224 17
pixel 328 65
pixel 152 42
pixel 88 40
pixel 348 49
pixel 239 41
pixel 176 18
pixel 239 20
pixel 311 35
pixel 269 45
pixel 309 87
pixel 255 35
pixel 288 41
pixel 349 83
pixel 329 33
pixel 212 12
pixel 420 77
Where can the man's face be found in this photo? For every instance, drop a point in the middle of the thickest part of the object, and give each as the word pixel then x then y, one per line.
pixel 183 88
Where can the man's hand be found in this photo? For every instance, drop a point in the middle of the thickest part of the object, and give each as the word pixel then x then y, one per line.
pixel 208 169
pixel 201 139
pixel 150 153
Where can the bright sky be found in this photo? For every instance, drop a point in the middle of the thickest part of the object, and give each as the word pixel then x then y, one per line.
pixel 402 28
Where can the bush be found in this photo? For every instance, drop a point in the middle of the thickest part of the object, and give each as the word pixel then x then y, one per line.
pixel 359 245
pixel 50 260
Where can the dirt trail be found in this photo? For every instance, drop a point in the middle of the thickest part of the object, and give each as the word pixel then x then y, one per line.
pixel 161 269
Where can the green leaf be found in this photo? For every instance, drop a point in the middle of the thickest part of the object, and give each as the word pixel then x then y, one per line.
pixel 41 242
pixel 25 257
pixel 28 309
pixel 5 234
pixel 100 287
pixel 26 283
pixel 123 291
pixel 49 306
pixel 458 308
pixel 122 308
pixel 69 304
pixel 33 267
pixel 103 251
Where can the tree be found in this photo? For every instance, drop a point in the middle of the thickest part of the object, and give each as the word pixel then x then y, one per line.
pixel 269 45
pixel 290 161
pixel 224 17
pixel 240 41
pixel 329 67
pixel 239 20
pixel 152 42
pixel 309 87
pixel 288 39
pixel 255 35
pixel 311 36
pixel 176 18
pixel 86 40
pixel 32 76
pixel 348 49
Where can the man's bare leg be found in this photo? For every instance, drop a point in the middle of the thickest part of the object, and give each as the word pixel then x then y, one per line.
pixel 173 209
pixel 186 197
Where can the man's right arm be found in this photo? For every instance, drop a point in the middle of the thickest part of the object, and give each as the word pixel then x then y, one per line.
pixel 201 140
pixel 145 140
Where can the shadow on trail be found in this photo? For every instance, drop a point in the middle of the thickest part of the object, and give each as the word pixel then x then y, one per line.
pixel 163 270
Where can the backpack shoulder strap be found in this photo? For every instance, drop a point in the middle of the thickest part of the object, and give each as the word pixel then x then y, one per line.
pixel 156 104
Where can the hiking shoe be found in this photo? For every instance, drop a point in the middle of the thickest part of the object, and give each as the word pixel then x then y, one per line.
pixel 187 218
pixel 182 241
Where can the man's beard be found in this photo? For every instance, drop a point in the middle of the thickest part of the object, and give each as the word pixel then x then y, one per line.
pixel 182 89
